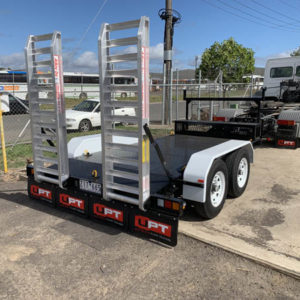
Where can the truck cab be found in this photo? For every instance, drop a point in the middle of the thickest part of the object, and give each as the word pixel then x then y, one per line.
pixel 282 78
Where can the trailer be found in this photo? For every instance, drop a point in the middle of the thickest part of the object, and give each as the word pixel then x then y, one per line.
pixel 260 118
pixel 124 177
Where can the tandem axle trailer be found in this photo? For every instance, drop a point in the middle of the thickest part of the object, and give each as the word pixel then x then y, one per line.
pixel 262 119
pixel 125 177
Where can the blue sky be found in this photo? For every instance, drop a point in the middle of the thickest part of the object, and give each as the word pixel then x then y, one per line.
pixel 270 27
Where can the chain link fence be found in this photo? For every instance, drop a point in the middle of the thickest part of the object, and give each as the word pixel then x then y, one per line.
pixel 83 117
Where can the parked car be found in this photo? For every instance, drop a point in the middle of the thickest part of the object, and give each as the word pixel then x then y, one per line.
pixel 12 105
pixel 86 115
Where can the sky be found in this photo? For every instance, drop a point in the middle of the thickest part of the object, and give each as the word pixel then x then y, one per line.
pixel 270 27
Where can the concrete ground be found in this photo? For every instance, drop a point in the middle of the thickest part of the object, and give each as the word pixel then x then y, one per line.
pixel 264 222
pixel 46 253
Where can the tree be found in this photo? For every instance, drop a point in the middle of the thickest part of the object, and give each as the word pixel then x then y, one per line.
pixel 296 52
pixel 233 59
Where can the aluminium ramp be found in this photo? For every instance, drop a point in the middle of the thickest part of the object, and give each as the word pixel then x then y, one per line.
pixel 134 159
pixel 47 108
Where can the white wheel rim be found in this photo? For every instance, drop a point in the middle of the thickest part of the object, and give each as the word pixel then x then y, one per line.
pixel 217 189
pixel 242 172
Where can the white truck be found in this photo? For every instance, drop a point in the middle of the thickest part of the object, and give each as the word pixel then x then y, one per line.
pixel 282 78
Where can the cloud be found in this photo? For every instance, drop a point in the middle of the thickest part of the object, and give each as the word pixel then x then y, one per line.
pixel 13 61
pixel 87 61
pixel 260 61
pixel 156 52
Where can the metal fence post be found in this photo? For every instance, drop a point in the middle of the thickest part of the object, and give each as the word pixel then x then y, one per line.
pixel 199 95
pixel 221 104
pixel 3 140
pixel 251 90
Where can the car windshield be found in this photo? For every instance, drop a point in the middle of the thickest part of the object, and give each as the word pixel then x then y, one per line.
pixel 85 105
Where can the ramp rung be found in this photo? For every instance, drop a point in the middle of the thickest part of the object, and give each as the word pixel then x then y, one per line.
pixel 45 50
pixel 122 147
pixel 43 37
pixel 122 119
pixel 118 73
pixel 42 75
pixel 47 149
pixel 123 25
pixel 123 161
pixel 118 104
pixel 42 63
pixel 127 133
pixel 122 42
pixel 121 57
pixel 47 159
pixel 123 174
pixel 47 171
pixel 45 137
pixel 45 125
pixel 119 197
pixel 123 188
pixel 48 179
pixel 43 101
pixel 43 88
pixel 44 113
pixel 122 88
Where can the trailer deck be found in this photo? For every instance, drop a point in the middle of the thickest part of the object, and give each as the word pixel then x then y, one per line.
pixel 177 150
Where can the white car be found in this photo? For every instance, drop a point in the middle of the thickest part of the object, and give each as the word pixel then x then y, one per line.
pixel 86 115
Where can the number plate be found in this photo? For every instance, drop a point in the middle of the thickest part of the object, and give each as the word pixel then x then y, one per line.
pixel 90 186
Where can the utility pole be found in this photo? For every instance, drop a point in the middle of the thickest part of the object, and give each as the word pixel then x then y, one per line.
pixel 170 19
pixel 168 59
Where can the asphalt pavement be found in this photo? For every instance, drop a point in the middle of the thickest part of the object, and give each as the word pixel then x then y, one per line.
pixel 46 253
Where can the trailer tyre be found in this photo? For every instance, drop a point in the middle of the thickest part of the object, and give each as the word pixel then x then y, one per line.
pixel 216 192
pixel 238 170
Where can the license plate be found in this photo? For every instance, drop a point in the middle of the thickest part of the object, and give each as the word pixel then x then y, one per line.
pixel 87 186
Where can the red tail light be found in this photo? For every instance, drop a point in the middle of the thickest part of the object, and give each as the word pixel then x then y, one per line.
pixel 286 122
pixel 222 119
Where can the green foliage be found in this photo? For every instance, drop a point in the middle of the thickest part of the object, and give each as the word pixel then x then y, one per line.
pixel 296 52
pixel 232 58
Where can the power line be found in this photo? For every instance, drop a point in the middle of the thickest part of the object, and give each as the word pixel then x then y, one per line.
pixel 251 15
pixel 275 11
pixel 264 14
pixel 288 4
pixel 241 17
pixel 92 22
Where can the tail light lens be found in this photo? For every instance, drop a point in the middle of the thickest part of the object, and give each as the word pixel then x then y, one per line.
pixel 168 204
pixel 286 122
pixel 221 119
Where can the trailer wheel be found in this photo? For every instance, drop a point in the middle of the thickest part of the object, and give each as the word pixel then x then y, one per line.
pixel 238 169
pixel 216 192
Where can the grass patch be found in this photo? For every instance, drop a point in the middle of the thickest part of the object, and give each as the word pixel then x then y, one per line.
pixel 16 157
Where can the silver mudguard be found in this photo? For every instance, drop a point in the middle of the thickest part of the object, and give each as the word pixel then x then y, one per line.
pixel 199 165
